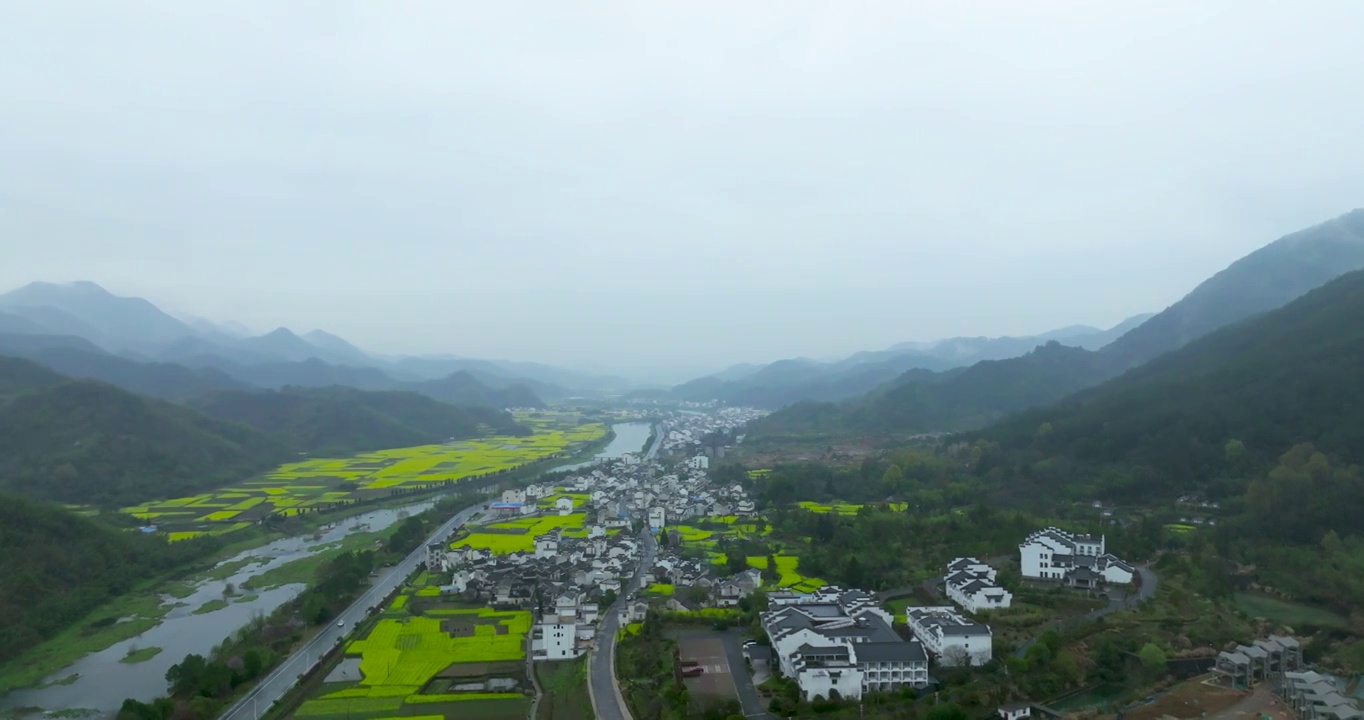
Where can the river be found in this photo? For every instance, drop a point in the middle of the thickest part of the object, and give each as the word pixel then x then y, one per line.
pixel 104 682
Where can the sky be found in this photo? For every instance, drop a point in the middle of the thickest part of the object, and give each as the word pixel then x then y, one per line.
pixel 641 184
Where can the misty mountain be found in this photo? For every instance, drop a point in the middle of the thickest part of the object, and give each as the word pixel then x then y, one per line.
pixel 551 382
pixel 1269 277
pixel 79 358
pixel 135 329
pixel 802 380
pixel 90 442
pixel 345 421
pixel 122 323
pixel 463 388
pixel 1288 376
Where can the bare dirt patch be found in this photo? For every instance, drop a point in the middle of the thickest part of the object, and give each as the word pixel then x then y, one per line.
pixel 1199 699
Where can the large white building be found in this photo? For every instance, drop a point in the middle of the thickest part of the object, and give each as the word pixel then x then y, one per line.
pixel 657 518
pixel 513 496
pixel 1075 560
pixel 951 638
pixel 970 584
pixel 700 462
pixel 841 641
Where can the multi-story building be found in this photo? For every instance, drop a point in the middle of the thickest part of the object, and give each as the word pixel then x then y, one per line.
pixel 970 583
pixel 1075 560
pixel 951 638
pixel 841 641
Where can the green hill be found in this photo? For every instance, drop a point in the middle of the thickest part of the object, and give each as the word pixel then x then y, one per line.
pixel 1208 416
pixel 59 566
pixel 84 441
pixel 988 391
pixel 344 421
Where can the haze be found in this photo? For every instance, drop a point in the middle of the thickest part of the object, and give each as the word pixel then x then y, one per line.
pixel 679 185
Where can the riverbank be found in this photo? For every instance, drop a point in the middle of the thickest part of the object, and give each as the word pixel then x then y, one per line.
pixel 263 569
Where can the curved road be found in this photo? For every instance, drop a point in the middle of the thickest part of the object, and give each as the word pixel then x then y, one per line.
pixel 284 677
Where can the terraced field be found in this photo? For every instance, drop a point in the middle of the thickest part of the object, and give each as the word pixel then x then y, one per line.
pixel 324 483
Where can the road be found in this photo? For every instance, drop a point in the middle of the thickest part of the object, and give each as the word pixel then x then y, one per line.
pixel 286 676
pixel 1149 583
pixel 607 702
pixel 749 698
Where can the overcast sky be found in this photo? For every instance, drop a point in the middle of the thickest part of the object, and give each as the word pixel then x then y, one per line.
pixel 667 183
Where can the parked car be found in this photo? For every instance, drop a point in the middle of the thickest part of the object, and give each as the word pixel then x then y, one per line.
pixel 692 671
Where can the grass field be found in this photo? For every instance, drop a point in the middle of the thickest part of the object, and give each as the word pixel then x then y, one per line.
pixel 790 577
pixel 519 535
pixel 565 691
pixel 1285 612
pixel 323 483
pixel 409 663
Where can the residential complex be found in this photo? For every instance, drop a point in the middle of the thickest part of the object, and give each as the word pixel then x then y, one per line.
pixel 1074 560
pixel 970 584
pixel 952 639
pixel 840 643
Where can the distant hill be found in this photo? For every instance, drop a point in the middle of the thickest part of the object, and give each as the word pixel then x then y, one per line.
pixel 787 382
pixel 78 358
pixel 345 421
pixel 125 323
pixel 985 392
pixel 1209 417
pixel 307 373
pixel 89 442
pixel 462 388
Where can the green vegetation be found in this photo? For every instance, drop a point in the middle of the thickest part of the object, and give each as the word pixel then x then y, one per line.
pixel 200 686
pixel 339 421
pixel 329 483
pixel 966 398
pixel 1287 613
pixel 210 606
pixel 565 691
pixel 519 535
pixel 82 441
pixel 140 655
pixel 76 579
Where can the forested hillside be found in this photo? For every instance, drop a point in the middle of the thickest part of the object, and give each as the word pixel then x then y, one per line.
pixel 1208 415
pixel 988 391
pixel 345 421
pixel 84 441
pixel 58 566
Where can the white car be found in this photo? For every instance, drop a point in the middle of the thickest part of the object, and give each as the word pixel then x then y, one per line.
pixel 340 623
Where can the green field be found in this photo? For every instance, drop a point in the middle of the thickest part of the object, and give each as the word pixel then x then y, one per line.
pixel 790 577
pixel 323 483
pixel 419 648
pixel 1285 612
pixel 519 535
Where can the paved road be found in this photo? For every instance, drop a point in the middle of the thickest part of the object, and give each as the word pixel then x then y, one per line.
pixel 749 698
pixel 607 702
pixel 659 430
pixel 284 677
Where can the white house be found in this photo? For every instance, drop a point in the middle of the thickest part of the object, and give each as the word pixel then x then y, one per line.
pixel 1075 560
pixel 1015 711
pixel 841 640
pixel 435 557
pixel 951 638
pixel 546 545
pixel 700 462
pixel 513 496
pixel 555 641
pixel 657 517
pixel 970 583
pixel 564 505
